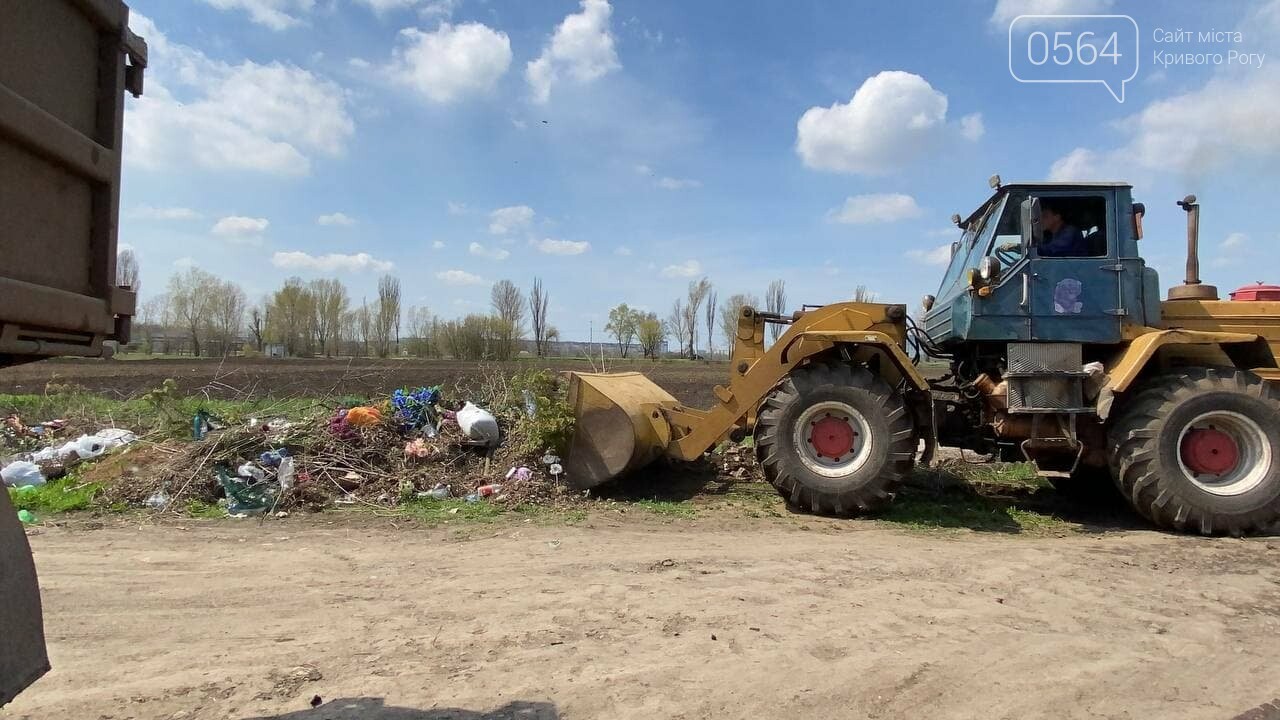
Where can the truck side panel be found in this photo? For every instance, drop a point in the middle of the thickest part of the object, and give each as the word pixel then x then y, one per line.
pixel 63 74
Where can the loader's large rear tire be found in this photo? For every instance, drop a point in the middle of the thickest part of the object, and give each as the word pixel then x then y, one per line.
pixel 834 438
pixel 1199 451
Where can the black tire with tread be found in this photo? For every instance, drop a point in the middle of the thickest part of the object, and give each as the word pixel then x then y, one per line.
pixel 869 487
pixel 1144 436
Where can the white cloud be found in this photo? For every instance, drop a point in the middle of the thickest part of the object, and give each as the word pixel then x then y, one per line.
pixel 581 50
pixel 940 255
pixel 358 63
pixel 437 245
pixel 875 208
pixel 892 118
pixel 275 14
pixel 950 231
pixel 452 62
pixel 1234 240
pixel 670 183
pixel 459 277
pixel 686 269
pixel 550 246
pixel 509 219
pixel 336 219
pixel 972 127
pixel 622 250
pixel 217 116
pixel 184 262
pixel 643 169
pixel 829 268
pixel 457 208
pixel 331 263
pixel 1226 123
pixel 238 228
pixel 491 253
pixel 1079 164
pixel 1006 10
pixel 147 212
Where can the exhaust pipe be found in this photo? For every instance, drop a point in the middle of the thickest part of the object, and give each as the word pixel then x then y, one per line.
pixel 1192 288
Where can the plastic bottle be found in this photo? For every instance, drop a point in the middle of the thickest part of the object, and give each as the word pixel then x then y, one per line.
pixel 439 492
pixel 487 490
pixel 285 473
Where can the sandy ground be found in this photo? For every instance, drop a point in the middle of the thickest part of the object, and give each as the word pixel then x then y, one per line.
pixel 628 618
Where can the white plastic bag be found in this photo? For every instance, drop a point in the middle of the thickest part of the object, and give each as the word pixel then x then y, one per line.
pixel 22 472
pixel 478 424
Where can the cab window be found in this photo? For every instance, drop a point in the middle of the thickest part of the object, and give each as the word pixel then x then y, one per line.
pixel 1072 226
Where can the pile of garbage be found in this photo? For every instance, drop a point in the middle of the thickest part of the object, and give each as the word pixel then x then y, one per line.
pixel 410 446
pixel 33 468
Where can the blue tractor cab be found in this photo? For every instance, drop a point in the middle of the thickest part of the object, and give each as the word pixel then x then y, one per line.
pixel 1008 281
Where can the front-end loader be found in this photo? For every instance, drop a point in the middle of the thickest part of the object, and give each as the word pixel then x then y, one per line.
pixel 1061 352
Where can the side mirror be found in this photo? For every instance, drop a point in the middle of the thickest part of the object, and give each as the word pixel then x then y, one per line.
pixel 1031 222
pixel 1139 210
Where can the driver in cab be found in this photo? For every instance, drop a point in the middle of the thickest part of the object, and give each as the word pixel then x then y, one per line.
pixel 1062 239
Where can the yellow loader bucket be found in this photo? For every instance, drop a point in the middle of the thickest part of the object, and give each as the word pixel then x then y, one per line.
pixel 619 425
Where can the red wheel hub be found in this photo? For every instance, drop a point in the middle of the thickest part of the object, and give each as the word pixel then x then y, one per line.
pixel 1209 451
pixel 832 437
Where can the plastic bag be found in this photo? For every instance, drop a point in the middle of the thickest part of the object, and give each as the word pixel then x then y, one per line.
pixel 478 424
pixel 22 472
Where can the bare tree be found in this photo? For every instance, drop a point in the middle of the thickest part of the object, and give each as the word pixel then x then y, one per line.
pixel 711 321
pixel 227 306
pixel 538 316
pixel 128 273
pixel 649 332
pixel 508 310
pixel 622 325
pixel 330 302
pixel 420 322
pixel 387 319
pixel 677 323
pixel 862 294
pixel 729 313
pixel 154 317
pixel 289 316
pixel 258 323
pixel 189 296
pixel 698 290
pixel 775 300
pixel 364 321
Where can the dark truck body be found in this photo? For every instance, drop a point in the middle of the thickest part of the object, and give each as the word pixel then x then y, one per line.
pixel 63 75
pixel 64 68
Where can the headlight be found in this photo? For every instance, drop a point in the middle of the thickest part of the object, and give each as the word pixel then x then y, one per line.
pixel 926 302
pixel 988 270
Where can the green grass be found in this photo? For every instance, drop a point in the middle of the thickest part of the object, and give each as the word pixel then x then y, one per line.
pixel 667 508
pixel 435 511
pixel 202 509
pixel 68 494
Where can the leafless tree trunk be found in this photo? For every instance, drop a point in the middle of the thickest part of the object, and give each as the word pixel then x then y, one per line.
pixel 330 303
pixel 775 299
pixel 862 294
pixel 677 323
pixel 508 309
pixel 387 323
pixel 711 321
pixel 538 300
pixel 128 273
pixel 730 312
pixel 697 293
pixel 228 313
pixel 189 295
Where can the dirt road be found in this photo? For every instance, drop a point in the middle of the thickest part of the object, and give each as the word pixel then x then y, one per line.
pixel 623 618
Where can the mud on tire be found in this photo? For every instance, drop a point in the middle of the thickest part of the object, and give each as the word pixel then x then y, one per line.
pixel 1199 450
pixel 834 438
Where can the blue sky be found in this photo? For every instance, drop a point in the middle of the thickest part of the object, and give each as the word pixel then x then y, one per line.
pixel 619 149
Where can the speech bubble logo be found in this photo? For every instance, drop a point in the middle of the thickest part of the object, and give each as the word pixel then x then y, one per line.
pixel 1099 49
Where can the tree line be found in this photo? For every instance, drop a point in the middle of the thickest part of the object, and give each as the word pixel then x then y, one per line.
pixel 202 314
pixel 697 308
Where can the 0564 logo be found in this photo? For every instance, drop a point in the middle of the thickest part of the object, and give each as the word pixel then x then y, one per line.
pixel 1099 49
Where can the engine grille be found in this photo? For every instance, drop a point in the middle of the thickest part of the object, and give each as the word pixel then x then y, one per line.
pixel 1044 357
